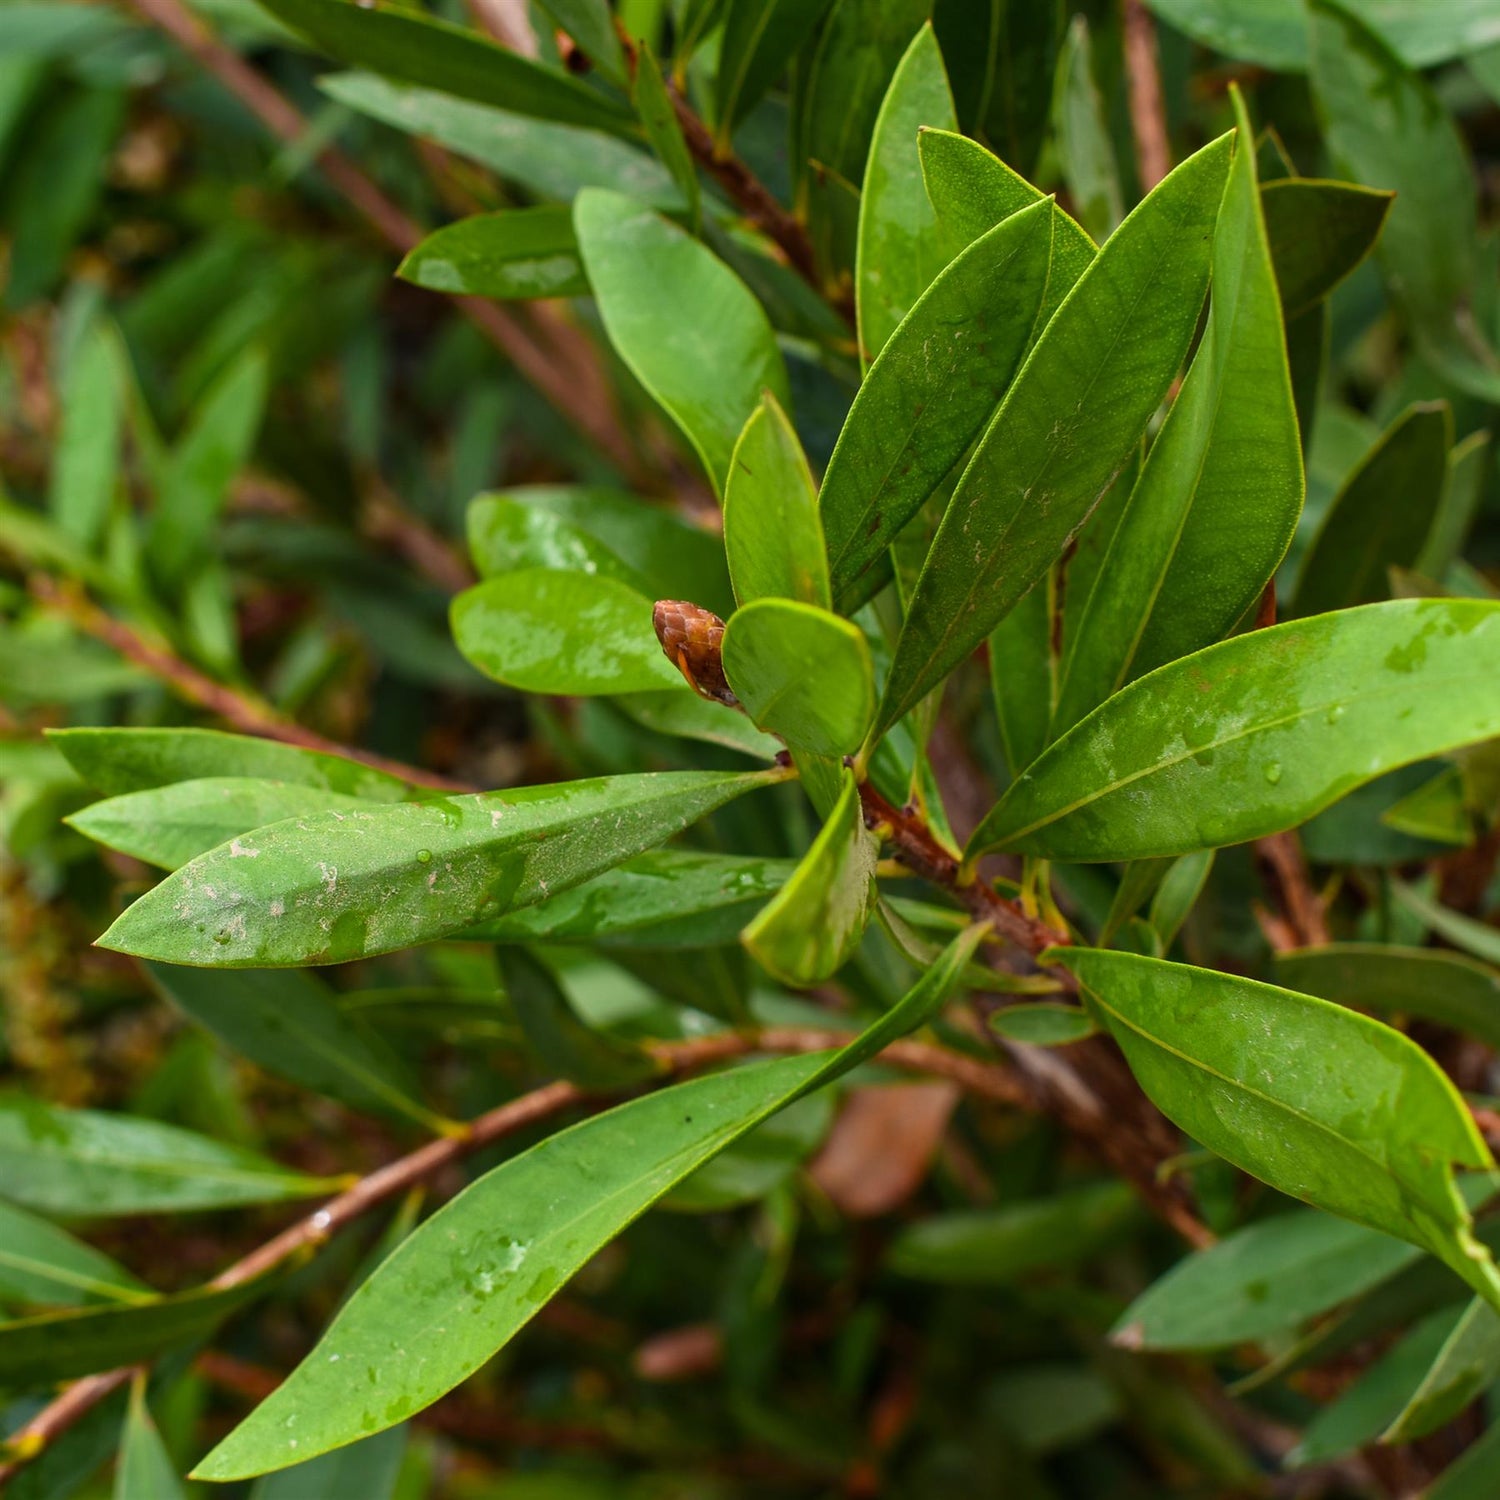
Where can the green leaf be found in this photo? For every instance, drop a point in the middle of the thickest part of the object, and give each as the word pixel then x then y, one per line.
pixel 1257 733
pixel 1427 982
pixel 691 717
pixel 144 1470
pixel 564 1044
pixel 1471 1476
pixel 412 48
pixel 474 1274
pixel 988 1247
pixel 1469 466
pixel 65 1345
pixel 369 1468
pixel 654 105
pixel 1082 138
pixel 591 24
pixel 1382 516
pixel 801 673
pixel 668 898
pixel 758 1163
pixel 1466 1366
pixel 1206 525
pixel 1274 32
pixel 589 529
pixel 932 388
pixel 335 886
pixel 84 1163
pixel 760 39
pixel 86 460
pixel 1325 1105
pixel 520 253
pixel 1068 424
pixel 290 1025
pixel 550 161
pixel 900 249
pixel 1023 675
pixel 1042 1023
pixel 42 1265
pixel 815 922
pixel 1178 893
pixel 773 537
pixel 549 632
pixel 1319 233
pixel 1477 938
pixel 170 825
pixel 1436 810
pixel 689 329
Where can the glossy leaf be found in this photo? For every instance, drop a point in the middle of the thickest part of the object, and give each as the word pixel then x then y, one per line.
pixel 1323 1104
pixel 801 673
pixel 689 329
pixel 113 761
pixel 522 1231
pixel 1319 233
pixel 772 535
pixel 335 886
pixel 814 923
pixel 1068 424
pixel 412 48
pixel 84 1163
pixel 44 1266
pixel 290 1025
pixel 1258 733
pixel 934 386
pixel 144 1470
pixel 653 103
pixel 169 825
pixel 520 253
pixel 1382 516
pixel 900 249
pixel 1216 504
pixel 545 631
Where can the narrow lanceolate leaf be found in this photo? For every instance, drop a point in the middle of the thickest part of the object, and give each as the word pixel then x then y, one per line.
pixel 1258 733
pixel 1428 982
pixel 592 26
pixel 1325 1105
pixel 654 105
pixel 290 1026
pixel 475 1273
pixel 801 673
pixel 1068 424
pixel 1468 469
pixel 936 382
pixel 1467 933
pixel 86 462
pixel 370 1468
pixel 772 535
pixel 335 886
pixel 451 59
pixel 65 1345
pixel 130 760
pixel 84 1163
pixel 818 917
pixel 690 330
pixel 169 825
pixel 520 253
pixel 1319 233
pixel 1266 1279
pixel 760 39
pixel 545 631
pixel 900 248
pixel 1217 502
pixel 144 1470
pixel 1083 145
pixel 44 1266
pixel 1465 1367
pixel 1382 516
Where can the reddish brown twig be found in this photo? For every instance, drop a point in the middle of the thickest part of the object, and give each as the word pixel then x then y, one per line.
pixel 1148 114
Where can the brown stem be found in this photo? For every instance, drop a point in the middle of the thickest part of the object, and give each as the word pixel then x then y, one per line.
pixel 985 1080
pixel 1148 114
pixel 245 711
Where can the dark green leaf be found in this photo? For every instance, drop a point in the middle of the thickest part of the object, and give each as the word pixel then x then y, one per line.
pixel 1319 233
pixel 1436 810
pixel 520 253
pixel 86 462
pixel 1469 467
pixel 1475 937
pixel 592 25
pixel 760 39
pixel 369 1468
pixel 1043 1023
pixel 1466 1365
pixel 654 105
pixel 44 1266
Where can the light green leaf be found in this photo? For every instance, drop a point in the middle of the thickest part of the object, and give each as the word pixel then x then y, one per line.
pixel 1325 1105
pixel 1068 424
pixel 169 825
pixel 591 24
pixel 86 460
pixel 773 537
pixel 144 1470
pixel 1216 504
pixel 1258 733
pixel 413 48
pixel 1466 1366
pixel 550 632
pixel 932 388
pixel 289 1024
pixel 689 329
pixel 519 253
pixel 336 886
pixel 900 249
pixel 653 104
pixel 1082 138
pixel 1319 233
pixel 812 925
pixel 84 1163
pixel 44 1266
pixel 432 1313
pixel 1382 516
pixel 801 673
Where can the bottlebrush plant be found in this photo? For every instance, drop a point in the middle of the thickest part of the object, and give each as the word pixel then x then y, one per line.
pixel 966 793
